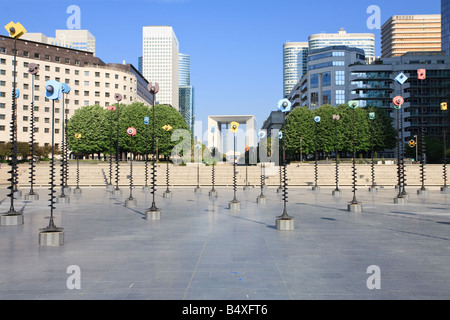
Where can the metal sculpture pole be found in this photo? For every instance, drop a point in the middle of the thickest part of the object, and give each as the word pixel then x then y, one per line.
pixel 316 171
pixel 63 198
pixel 33 69
pixel 65 120
pixel 336 191
pixel 110 109
pixel 77 190
pixel 146 122
pixel 167 193
pixel 444 189
pixel 398 102
pixel 284 222
pixel 234 204
pixel 373 187
pixel 198 147
pixel 153 213
pixel 213 192
pixel 13 217
pixel 354 205
pixel 52 235
pixel 261 198
pixel 421 75
pixel 118 98
pixel 131 202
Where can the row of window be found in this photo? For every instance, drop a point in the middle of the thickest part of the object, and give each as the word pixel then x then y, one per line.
pixel 47 57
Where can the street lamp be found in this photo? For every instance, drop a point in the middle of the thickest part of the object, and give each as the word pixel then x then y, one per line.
pixel 421 75
pixel 373 187
pixel 354 205
pixel 63 198
pixel 131 202
pixel 336 191
pixel 213 192
pixel 110 113
pixel 316 171
pixel 77 190
pixel 167 193
pixel 398 102
pixel 444 189
pixel 234 204
pixel 118 98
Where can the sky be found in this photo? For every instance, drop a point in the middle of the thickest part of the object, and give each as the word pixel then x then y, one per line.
pixel 235 45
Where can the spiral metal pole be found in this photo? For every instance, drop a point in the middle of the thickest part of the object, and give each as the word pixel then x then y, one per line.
pixel 399 179
pixel 422 138
pixel 445 150
pixel 402 153
pixel 336 155
pixel 374 185
pixel 153 207
pixel 110 148
pixel 263 179
pixel 117 149
pixel 354 201
pixel 131 169
pixel 63 153
pixel 213 167
pixel 234 169
pixel 66 147
pixel 32 165
pixel 285 215
pixel 316 172
pixel 167 169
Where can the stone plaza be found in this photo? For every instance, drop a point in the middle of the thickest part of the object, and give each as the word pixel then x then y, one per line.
pixel 200 250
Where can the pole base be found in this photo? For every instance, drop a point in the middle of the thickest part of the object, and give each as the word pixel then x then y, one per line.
pixel 167 194
pixel 445 190
pixel 373 189
pixel 153 215
pixel 11 220
pixel 354 207
pixel 315 188
pixel 65 199
pixel 198 190
pixel 146 188
pixel 261 199
pixel 285 224
pixel 51 238
pixel 248 187
pixel 279 189
pixel 234 205
pixel 109 187
pixel 67 189
pixel 77 191
pixel 213 193
pixel 400 200
pixel 17 194
pixel 117 192
pixel 130 203
pixel 31 197
pixel 423 192
pixel 336 193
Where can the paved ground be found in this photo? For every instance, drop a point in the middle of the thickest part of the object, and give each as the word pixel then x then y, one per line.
pixel 200 250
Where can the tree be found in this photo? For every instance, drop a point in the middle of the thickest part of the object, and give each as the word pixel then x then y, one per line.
pixel 299 125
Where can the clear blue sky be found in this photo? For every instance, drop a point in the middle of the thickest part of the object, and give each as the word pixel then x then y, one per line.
pixel 235 45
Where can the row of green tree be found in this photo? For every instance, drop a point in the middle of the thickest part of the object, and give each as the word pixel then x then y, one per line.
pixel 329 135
pixel 98 128
pixel 23 151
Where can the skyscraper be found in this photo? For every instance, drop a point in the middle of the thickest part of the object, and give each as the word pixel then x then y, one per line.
pixel 445 26
pixel 186 91
pixel 160 62
pixel 294 64
pixel 410 33
pixel 365 41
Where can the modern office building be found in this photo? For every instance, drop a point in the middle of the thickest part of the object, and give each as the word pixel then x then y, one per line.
pixel 92 82
pixel 186 90
pixel 294 64
pixel 375 85
pixel 410 33
pixel 160 62
pixel 365 41
pixel 327 78
pixel 445 26
pixel 73 39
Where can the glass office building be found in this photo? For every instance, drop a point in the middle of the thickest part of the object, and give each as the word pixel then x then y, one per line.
pixel 186 91
pixel 445 26
pixel 294 64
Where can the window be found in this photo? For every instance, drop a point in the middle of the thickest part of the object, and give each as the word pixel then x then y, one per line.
pixel 2 128
pixel 340 97
pixel 340 78
pixel 326 79
pixel 86 73
pixel 314 80
pixel 36 55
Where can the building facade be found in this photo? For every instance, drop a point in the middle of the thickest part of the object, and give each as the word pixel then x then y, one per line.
pixel 375 85
pixel 160 62
pixel 92 82
pixel 364 41
pixel 73 39
pixel 294 64
pixel 410 33
pixel 445 26
pixel 327 78
pixel 186 90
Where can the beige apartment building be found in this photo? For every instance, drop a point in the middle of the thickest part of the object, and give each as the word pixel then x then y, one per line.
pixel 92 82
pixel 407 33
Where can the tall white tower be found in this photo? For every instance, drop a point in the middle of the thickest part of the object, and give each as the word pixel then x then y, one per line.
pixel 160 62
pixel 294 64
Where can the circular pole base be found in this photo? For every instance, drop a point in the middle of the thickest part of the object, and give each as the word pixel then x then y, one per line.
pixel 213 193
pixel 261 200
pixel 354 207
pixel 279 189
pixel 11 219
pixel 65 199
pixel 373 189
pixel 109 187
pixel 198 190
pixel 167 194
pixel 234 205
pixel 117 192
pixel 31 197
pixel 336 193
pixel 445 190
pixel 153 215
pixel 423 192
pixel 51 238
pixel 77 191
pixel 315 188
pixel 285 224
pixel 131 203
pixel 146 188
pixel 400 200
